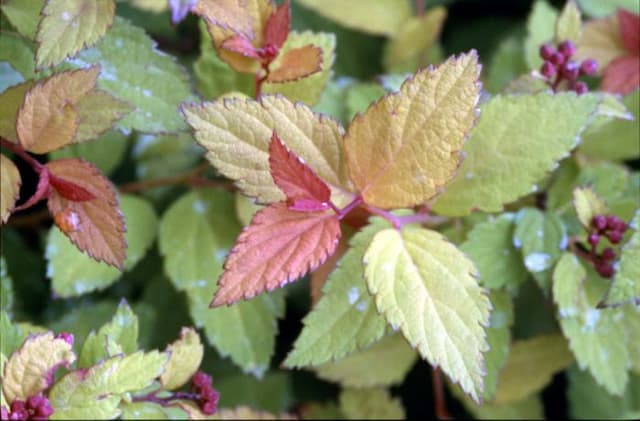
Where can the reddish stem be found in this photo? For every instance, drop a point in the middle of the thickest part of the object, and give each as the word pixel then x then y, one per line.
pixel 399 221
pixel 152 397
pixel 438 395
pixel 420 7
pixel 261 79
pixel 22 153
pixel 351 206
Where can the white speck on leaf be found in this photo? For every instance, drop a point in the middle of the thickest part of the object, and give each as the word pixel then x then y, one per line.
pixel 539 233
pixel 65 16
pixel 353 295
pixel 468 175
pixel 146 92
pixel 537 262
pixel 361 306
pixel 200 207
pixel 591 319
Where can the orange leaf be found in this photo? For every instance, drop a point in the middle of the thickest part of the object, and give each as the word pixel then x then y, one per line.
pixel 278 247
pixel 277 28
pixel 95 226
pixel 296 64
pixel 228 18
pixel 48 120
pixel 622 75
pixel 305 191
pixel 629 30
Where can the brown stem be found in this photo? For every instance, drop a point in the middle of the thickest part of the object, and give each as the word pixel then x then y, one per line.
pixel 192 178
pixel 29 220
pixel 438 395
pixel 420 7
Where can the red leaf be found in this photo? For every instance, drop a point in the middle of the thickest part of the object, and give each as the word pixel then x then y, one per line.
pixel 241 45
pixel 278 247
pixel 277 28
pixel 296 64
pixel 629 30
pixel 95 226
pixel 305 191
pixel 70 191
pixel 622 75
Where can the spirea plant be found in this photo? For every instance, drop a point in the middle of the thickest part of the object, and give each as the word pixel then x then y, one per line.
pixel 316 209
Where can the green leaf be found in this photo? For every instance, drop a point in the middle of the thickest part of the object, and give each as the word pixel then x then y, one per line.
pixel 380 17
pixel 530 366
pixel 507 63
pixel 615 139
pixel 602 8
pixel 345 318
pixel 370 404
pixel 530 408
pixel 134 71
pixel 310 88
pixel 67 26
pixel 499 339
pixel 273 392
pixel 392 358
pixel 6 287
pixel 490 246
pixel 10 102
pixel 84 318
pixel 12 335
pixel 631 322
pixel 245 331
pixel 587 205
pixel 426 287
pixel 540 29
pixel 118 336
pixel 588 400
pixel 24 15
pixel 18 53
pixel 569 23
pixel 517 141
pixel 626 283
pixel 75 273
pixel 359 96
pixel 95 392
pixel 151 411
pixel 106 152
pixel 606 179
pixel 597 337
pixel 214 77
pixel 186 356
pixel 29 371
pixel 541 238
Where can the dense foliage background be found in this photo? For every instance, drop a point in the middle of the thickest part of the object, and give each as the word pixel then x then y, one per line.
pixel 47 283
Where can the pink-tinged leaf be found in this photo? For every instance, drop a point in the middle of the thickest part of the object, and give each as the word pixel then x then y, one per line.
pixel 95 226
pixel 305 191
pixel 277 28
pixel 629 30
pixel 30 369
pixel 42 190
pixel 278 247
pixel 622 75
pixel 296 64
pixel 241 45
pixel 70 191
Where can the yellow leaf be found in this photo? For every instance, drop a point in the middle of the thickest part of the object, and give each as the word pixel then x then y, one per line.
pixel 601 41
pixel 427 288
pixel 588 204
pixel 530 366
pixel 381 17
pixel 10 182
pixel 413 39
pixel 48 119
pixel 186 356
pixel 68 26
pixel 30 369
pixel 236 134
pixel 405 147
